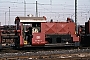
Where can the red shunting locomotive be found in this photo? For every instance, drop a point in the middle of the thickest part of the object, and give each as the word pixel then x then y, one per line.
pixel 36 31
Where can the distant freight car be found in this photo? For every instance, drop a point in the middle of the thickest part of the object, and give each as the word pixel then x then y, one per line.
pixel 85 38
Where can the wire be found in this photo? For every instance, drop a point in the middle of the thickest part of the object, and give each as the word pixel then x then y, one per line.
pixel 40 3
pixel 17 2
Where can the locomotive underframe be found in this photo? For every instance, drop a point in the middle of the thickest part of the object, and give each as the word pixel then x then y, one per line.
pixel 61 40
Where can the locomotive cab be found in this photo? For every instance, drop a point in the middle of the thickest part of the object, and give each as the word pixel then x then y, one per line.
pixel 29 29
pixel 30 32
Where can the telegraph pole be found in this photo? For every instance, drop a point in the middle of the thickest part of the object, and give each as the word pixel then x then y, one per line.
pixel 36 10
pixel 5 18
pixel 9 16
pixel 76 16
pixel 24 8
pixel 50 2
pixel 51 7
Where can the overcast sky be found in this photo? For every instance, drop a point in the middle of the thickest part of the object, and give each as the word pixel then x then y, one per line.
pixel 58 10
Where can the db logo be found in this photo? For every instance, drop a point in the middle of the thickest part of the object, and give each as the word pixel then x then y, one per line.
pixel 37 37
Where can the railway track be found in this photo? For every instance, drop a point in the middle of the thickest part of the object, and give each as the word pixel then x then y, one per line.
pixel 36 49
pixel 45 54
pixel 49 57
pixel 32 49
pixel 58 54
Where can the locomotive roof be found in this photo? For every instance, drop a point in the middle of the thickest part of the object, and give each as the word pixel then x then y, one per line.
pixel 32 19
